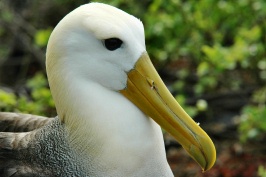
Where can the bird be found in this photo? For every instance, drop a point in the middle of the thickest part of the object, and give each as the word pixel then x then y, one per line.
pixel 111 105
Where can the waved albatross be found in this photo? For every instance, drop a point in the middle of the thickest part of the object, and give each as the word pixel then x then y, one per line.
pixel 109 101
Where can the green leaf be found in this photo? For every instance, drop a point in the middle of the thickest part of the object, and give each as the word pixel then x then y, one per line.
pixel 42 36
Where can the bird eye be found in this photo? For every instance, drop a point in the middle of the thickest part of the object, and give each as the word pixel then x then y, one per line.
pixel 112 43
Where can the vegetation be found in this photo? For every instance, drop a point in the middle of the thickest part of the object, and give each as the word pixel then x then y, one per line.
pixel 261 171
pixel 253 124
pixel 39 100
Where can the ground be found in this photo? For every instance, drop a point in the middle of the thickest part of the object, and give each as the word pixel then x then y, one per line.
pixel 234 159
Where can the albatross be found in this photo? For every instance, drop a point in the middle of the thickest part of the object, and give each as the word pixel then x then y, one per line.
pixel 110 102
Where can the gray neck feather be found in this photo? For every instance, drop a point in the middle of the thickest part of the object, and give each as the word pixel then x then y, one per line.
pixel 51 154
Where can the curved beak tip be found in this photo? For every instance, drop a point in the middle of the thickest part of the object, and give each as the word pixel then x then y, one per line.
pixel 203 153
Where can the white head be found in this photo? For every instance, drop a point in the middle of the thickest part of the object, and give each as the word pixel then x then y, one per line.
pixel 80 42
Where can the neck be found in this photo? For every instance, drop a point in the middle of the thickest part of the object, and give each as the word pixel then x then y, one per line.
pixel 109 132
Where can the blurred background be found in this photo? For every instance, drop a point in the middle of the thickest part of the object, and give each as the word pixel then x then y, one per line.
pixel 210 53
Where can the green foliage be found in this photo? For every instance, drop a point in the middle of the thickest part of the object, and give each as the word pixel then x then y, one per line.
pixel 261 171
pixel 41 96
pixel 5 15
pixel 8 101
pixel 41 37
pixel 201 105
pixel 253 124
pixel 39 101
pixel 192 111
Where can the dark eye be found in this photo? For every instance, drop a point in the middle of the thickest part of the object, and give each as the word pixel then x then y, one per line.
pixel 112 43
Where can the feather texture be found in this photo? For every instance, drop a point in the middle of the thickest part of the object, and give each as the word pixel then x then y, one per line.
pixel 39 152
pixel 16 122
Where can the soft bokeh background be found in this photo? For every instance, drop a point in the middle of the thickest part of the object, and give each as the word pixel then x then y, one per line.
pixel 210 53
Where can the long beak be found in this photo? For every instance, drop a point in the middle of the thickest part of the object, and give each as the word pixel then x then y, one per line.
pixel 148 92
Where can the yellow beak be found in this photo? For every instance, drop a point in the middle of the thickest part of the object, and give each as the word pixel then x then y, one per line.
pixel 148 92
